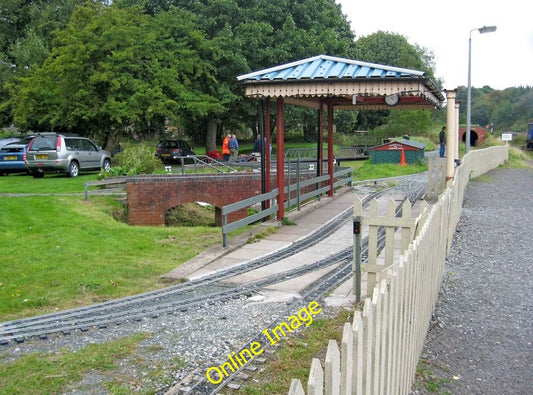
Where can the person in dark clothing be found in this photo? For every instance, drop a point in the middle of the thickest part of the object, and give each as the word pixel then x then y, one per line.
pixel 257 144
pixel 442 141
pixel 234 148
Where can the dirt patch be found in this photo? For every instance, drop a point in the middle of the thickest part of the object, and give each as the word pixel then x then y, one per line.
pixel 190 214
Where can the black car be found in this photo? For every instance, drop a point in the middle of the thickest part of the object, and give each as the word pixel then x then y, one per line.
pixel 170 151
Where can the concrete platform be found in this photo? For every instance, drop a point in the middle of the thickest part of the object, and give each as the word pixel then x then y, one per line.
pixel 307 220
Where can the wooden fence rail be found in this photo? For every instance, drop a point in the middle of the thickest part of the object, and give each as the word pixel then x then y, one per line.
pixel 380 349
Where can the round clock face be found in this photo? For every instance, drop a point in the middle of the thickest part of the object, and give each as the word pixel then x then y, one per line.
pixel 391 100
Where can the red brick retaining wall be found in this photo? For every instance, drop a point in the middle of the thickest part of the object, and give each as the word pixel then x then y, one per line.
pixel 149 197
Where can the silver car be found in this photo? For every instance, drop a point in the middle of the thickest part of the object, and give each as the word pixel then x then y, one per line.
pixel 64 154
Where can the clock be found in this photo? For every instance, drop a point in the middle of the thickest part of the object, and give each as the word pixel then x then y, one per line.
pixel 392 100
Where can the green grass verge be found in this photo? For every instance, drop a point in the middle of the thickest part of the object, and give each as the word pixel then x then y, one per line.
pixel 427 378
pixel 62 251
pixel 293 358
pixel 52 373
pixel 50 183
pixel 518 159
pixel 364 170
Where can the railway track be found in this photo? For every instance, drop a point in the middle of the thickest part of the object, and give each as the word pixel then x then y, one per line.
pixel 206 290
pixel 318 288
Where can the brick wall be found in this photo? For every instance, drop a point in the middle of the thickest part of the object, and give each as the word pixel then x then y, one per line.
pixel 149 197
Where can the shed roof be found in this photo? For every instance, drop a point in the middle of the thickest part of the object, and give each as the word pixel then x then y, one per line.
pixel 355 84
pixel 409 143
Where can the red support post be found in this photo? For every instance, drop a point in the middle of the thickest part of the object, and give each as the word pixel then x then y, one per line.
pixel 267 147
pixel 320 140
pixel 280 164
pixel 330 149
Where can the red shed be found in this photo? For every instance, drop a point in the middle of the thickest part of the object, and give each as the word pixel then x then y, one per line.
pixel 391 152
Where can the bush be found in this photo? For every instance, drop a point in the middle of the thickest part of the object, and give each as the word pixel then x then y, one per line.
pixel 190 214
pixel 133 160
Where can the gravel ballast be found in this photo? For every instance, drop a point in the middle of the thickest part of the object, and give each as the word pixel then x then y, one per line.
pixel 481 339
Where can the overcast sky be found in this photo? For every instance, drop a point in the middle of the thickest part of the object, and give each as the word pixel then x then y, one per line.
pixel 501 59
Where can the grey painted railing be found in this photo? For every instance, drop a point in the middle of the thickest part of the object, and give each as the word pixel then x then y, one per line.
pixel 230 208
pixel 343 176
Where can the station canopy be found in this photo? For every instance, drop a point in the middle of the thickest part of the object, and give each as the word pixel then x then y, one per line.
pixel 344 84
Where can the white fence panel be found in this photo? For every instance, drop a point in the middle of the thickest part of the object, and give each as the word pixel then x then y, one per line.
pixel 380 349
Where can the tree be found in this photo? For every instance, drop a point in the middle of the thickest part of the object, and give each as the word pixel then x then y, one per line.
pixel 254 34
pixel 401 122
pixel 503 115
pixel 508 109
pixel 394 50
pixel 117 70
pixel 26 33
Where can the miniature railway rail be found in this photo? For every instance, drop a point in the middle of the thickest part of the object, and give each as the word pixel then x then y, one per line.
pixel 314 291
pixel 176 298
pixel 205 290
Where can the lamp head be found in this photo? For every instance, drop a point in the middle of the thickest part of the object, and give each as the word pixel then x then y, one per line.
pixel 487 29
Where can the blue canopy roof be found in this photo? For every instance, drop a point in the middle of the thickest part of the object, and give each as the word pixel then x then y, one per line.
pixel 325 68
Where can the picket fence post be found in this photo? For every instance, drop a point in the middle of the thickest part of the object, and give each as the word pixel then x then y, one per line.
pixel 315 384
pixel 333 369
pixel 380 349
pixel 296 388
pixel 358 353
pixel 346 359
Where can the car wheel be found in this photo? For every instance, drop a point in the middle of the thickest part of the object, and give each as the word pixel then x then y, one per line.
pixel 107 165
pixel 73 169
pixel 37 174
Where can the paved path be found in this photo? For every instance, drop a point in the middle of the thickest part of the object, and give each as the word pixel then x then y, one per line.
pixel 482 341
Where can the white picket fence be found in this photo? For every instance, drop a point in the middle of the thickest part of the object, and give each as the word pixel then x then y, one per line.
pixel 380 350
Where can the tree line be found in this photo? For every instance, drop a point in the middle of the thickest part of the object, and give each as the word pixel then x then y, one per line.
pixel 508 110
pixel 133 68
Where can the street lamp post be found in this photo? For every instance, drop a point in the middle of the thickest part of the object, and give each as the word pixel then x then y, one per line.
pixel 481 30
pixel 484 29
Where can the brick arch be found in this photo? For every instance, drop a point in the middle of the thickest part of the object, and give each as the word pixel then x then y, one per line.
pixel 149 197
pixel 478 134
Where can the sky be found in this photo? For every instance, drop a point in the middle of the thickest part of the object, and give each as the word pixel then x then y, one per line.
pixel 501 59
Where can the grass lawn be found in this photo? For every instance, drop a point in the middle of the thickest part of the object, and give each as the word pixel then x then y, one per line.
pixel 62 251
pixel 364 170
pixel 50 183
pixel 52 373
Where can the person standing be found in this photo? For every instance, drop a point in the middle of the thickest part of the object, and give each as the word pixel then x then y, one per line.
pixel 225 147
pixel 234 148
pixel 257 144
pixel 442 141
